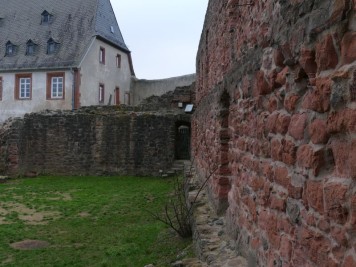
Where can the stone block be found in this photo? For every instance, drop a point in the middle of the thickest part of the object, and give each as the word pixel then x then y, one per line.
pixel 344 153
pixel 314 195
pixel 341 121
pixel 348 48
pixel 282 176
pixel 318 131
pixel 282 123
pixel 308 63
pixel 326 55
pixel 262 87
pixel 335 198
pixel 307 157
pixel 350 260
pixel 318 97
pixel 290 102
pixel 286 248
pixel 293 211
pixel 298 125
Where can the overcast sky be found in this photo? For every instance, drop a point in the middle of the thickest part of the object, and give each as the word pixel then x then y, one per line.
pixel 163 35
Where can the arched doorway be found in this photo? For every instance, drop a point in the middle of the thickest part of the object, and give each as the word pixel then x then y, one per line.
pixel 183 140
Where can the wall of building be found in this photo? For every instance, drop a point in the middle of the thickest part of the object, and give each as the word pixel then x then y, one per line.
pixel 141 88
pixel 11 107
pixel 275 123
pixel 93 73
pixel 90 141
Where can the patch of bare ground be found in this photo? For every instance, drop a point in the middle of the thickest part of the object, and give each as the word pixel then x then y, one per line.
pixel 7 261
pixel 26 214
pixel 30 244
pixel 84 214
pixel 61 196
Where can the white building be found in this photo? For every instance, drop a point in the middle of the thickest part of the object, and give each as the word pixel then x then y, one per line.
pixel 61 55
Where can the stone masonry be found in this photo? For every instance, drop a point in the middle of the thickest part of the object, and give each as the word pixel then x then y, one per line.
pixel 90 141
pixel 276 124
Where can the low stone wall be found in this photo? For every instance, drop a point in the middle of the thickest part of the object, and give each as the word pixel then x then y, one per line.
pixel 91 141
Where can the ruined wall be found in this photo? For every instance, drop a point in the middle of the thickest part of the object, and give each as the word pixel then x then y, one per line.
pixel 142 89
pixel 91 141
pixel 170 100
pixel 276 124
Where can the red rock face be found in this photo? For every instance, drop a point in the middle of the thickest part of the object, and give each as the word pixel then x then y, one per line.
pixel 285 135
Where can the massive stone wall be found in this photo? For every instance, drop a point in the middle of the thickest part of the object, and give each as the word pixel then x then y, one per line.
pixel 276 123
pixel 90 141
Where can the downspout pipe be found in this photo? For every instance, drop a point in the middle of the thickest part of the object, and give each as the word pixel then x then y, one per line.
pixel 73 87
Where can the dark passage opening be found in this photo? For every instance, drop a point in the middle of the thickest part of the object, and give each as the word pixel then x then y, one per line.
pixel 183 141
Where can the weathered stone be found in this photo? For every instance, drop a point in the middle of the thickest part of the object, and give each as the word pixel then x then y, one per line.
pixel 348 48
pixel 318 132
pixel 314 195
pixel 307 61
pixel 326 55
pixel 335 197
pixel 297 126
pixel 293 210
pixel 309 158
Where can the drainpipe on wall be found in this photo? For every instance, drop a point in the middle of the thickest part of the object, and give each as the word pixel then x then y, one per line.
pixel 73 86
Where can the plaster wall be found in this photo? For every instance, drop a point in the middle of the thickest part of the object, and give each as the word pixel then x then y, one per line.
pixel 141 88
pixel 11 107
pixel 94 73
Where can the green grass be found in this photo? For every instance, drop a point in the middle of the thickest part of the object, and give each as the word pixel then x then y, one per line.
pixel 88 221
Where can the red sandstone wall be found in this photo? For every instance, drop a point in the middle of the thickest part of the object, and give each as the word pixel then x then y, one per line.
pixel 276 124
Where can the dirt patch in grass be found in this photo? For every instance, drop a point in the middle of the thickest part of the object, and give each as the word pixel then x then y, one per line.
pixel 7 261
pixel 29 244
pixel 84 214
pixel 61 196
pixel 25 214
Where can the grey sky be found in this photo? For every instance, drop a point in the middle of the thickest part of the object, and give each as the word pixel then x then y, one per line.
pixel 163 35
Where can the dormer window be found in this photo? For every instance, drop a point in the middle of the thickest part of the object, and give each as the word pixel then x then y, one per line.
pixel 46 17
pixel 10 49
pixel 30 48
pixel 52 46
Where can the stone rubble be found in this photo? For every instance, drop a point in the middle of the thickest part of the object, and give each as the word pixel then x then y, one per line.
pixel 213 246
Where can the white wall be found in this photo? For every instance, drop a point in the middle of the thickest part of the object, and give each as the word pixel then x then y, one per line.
pixel 9 107
pixel 93 73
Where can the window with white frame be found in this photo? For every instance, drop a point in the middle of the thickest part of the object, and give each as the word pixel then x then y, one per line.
pixel 23 86
pixel 55 85
pixel 101 93
pixel 102 55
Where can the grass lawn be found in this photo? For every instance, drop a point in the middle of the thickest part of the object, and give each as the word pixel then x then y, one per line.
pixel 87 221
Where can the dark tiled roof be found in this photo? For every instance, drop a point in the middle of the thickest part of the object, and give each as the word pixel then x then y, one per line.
pixel 74 24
